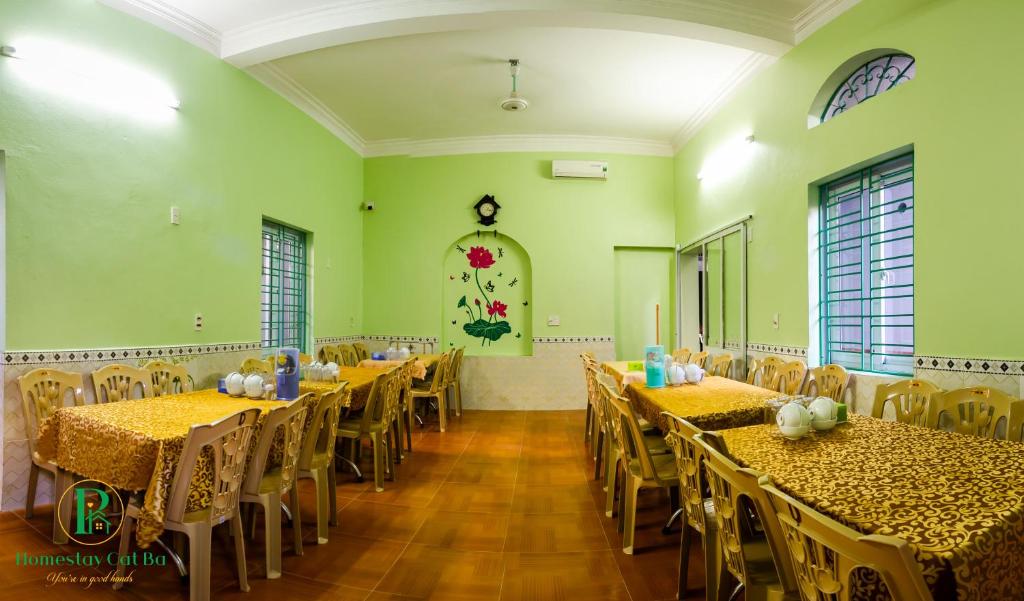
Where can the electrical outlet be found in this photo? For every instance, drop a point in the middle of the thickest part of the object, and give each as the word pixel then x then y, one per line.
pixel 199 322
pixel 175 215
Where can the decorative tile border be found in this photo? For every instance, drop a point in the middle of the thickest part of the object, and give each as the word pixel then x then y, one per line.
pixel 384 338
pixel 336 339
pixel 777 349
pixel 971 365
pixel 121 354
pixel 572 339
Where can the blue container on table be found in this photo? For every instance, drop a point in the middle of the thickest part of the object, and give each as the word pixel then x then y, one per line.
pixel 654 366
pixel 286 366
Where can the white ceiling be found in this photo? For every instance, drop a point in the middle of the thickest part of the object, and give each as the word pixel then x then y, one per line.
pixel 425 77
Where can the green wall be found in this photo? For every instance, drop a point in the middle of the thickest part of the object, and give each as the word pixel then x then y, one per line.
pixel 644 277
pixel 568 227
pixel 92 259
pixel 958 115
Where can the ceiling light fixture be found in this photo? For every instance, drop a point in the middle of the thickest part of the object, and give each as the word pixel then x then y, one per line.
pixel 514 103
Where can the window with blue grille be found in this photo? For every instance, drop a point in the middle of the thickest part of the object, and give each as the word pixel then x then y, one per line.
pixel 866 236
pixel 283 287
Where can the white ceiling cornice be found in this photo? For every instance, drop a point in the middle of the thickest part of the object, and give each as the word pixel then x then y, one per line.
pixel 518 143
pixel 172 20
pixel 817 15
pixel 747 70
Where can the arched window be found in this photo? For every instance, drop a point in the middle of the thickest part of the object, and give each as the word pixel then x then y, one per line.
pixel 860 78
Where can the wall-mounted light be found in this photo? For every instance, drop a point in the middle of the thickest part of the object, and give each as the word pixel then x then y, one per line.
pixel 90 76
pixel 726 158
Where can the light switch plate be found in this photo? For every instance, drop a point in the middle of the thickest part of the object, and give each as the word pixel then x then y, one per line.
pixel 175 215
pixel 775 321
pixel 199 322
pixel 554 320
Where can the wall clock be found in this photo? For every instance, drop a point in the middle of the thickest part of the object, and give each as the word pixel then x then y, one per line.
pixel 487 209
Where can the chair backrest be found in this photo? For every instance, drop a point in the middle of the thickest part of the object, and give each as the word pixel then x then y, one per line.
pixel 606 387
pixel 632 443
pixel 329 353
pixel 681 355
pixel 43 391
pixel 322 431
pixel 976 411
pixel 721 366
pixel 909 399
pixel 689 458
pixel 362 352
pixel 168 378
pixel 828 380
pixel 736 495
pixel 440 380
pixel 406 374
pixel 825 553
pixel 116 382
pixel 291 418
pixel 789 377
pixel 305 359
pixel 253 365
pixel 455 368
pixel 762 371
pixel 701 359
pixel 229 441
pixel 348 355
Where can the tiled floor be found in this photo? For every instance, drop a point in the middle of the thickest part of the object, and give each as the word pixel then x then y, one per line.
pixel 502 506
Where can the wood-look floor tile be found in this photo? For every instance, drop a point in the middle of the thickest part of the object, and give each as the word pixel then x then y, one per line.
pixel 291 587
pixel 350 560
pixel 437 574
pixel 380 521
pixel 590 576
pixel 455 496
pixel 464 531
pixel 405 492
pixel 548 499
pixel 555 533
pixel 494 472
pixel 552 471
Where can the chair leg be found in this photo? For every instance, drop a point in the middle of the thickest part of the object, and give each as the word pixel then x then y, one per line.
pixel 612 476
pixel 30 497
pixel 630 490
pixel 122 550
pixel 458 398
pixel 62 513
pixel 236 530
pixel 293 504
pixel 598 456
pixel 199 544
pixel 322 504
pixel 399 428
pixel 712 560
pixel 378 460
pixel 389 454
pixel 410 418
pixel 442 409
pixel 272 534
pixel 332 496
pixel 589 427
pixel 684 558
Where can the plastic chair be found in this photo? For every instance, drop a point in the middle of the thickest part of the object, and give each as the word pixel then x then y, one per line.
pixel 168 378
pixel 721 366
pixel 252 365
pixel 825 553
pixel 404 416
pixel 789 377
pixel 229 443
pixel 762 371
pixel 348 355
pixel 116 382
pixel 376 424
pixel 436 390
pixel 909 399
pixel 362 352
pixel 43 391
pixel 454 383
pixel 266 486
pixel 828 380
pixel 329 353
pixel 975 411
pixel 316 460
pixel 700 359
pixel 591 428
pixel 681 355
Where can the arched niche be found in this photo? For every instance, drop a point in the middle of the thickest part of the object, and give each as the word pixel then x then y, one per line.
pixel 487 304
pixel 861 78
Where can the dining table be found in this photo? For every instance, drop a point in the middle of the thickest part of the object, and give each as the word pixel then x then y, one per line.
pixel 714 403
pixel 958 500
pixel 360 383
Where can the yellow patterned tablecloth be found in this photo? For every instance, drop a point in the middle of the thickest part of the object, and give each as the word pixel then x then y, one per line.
pixel 714 404
pixel 419 369
pixel 958 500
pixel 360 382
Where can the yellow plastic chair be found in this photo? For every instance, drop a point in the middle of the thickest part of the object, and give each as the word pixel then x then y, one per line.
pixel 454 376
pixel 828 380
pixel 698 512
pixel 681 355
pixel 825 554
pixel 266 485
pixel 376 424
pixel 229 441
pixel 909 399
pixel 43 391
pixel 252 365
pixel 762 371
pixel 348 355
pixel 116 382
pixel 316 459
pixel 362 352
pixel 721 366
pixel 436 390
pixel 789 377
pixel 641 468
pixel 329 353
pixel 593 427
pixel 168 378
pixel 975 411
pixel 758 563
pixel 701 359
pixel 305 359
pixel 405 417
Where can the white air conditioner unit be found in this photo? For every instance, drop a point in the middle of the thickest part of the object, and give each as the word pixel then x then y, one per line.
pixel 580 169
